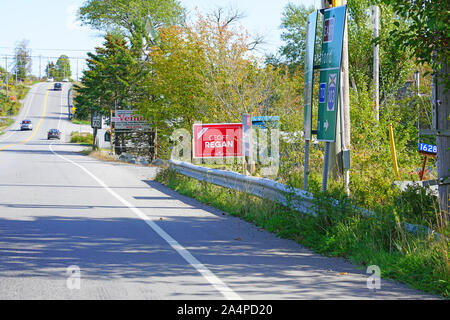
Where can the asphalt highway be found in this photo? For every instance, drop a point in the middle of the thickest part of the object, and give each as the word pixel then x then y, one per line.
pixel 73 227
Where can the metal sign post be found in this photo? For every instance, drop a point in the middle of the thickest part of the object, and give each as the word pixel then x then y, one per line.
pixel 309 81
pixel 96 123
pixel 427 150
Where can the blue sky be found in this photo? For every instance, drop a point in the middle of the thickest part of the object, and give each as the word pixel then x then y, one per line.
pixel 51 28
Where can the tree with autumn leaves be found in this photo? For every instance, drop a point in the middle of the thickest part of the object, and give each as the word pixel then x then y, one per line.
pixel 183 73
pixel 205 72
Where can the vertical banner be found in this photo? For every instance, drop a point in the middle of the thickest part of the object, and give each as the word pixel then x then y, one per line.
pixel 330 66
pixel 309 74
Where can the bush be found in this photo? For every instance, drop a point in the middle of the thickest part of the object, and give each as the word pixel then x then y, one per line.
pixel 81 138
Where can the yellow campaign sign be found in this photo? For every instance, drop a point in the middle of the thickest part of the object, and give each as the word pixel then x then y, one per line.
pixel 74 110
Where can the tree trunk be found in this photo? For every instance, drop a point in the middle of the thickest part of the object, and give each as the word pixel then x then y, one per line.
pixel 442 121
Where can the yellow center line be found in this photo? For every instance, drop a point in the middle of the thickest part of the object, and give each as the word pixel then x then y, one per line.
pixel 37 127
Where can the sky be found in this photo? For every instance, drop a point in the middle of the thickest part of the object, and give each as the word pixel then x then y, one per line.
pixel 51 27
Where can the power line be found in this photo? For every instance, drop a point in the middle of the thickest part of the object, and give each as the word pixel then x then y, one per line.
pixel 36 49
pixel 41 56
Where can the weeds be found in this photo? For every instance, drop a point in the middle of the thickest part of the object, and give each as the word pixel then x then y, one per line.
pixel 418 260
pixel 81 138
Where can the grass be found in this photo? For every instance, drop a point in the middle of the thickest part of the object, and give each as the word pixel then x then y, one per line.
pixel 82 122
pixel 100 154
pixel 5 123
pixel 10 108
pixel 81 138
pixel 418 260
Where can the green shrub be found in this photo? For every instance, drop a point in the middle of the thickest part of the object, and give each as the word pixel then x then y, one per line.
pixel 81 138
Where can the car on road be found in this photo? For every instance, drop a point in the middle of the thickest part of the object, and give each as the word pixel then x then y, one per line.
pixel 26 125
pixel 57 86
pixel 50 79
pixel 65 80
pixel 53 133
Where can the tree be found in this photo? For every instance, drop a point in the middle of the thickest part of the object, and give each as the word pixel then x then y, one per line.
pixel 428 39
pixel 123 14
pixel 294 24
pixel 204 70
pixel 22 60
pixel 51 70
pixel 112 79
pixel 63 68
pixel 427 35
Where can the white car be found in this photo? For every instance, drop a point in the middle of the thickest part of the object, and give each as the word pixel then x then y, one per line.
pixel 26 125
pixel 50 79
pixel 65 80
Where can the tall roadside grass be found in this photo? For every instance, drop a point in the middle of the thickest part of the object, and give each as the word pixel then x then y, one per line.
pixel 4 123
pixel 9 107
pixel 81 138
pixel 420 260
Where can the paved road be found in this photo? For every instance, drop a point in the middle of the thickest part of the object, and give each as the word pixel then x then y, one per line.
pixel 72 227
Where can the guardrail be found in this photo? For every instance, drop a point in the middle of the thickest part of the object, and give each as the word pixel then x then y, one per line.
pixel 298 199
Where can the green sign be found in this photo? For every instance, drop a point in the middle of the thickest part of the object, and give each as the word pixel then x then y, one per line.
pixel 330 67
pixel 309 73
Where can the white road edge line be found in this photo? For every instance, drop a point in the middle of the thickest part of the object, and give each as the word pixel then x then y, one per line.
pixel 226 291
pixel 204 271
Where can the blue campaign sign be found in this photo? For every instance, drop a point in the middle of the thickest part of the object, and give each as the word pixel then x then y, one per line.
pixel 427 148
pixel 263 122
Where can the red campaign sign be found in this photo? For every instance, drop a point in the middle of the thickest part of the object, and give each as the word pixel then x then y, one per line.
pixel 217 140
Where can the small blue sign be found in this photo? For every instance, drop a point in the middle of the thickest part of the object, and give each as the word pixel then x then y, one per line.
pixel 428 148
pixel 322 92
pixel 262 121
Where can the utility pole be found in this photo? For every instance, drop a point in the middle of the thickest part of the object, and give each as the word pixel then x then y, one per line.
pixel 7 84
pixel 441 126
pixel 346 107
pixel 17 65
pixel 376 60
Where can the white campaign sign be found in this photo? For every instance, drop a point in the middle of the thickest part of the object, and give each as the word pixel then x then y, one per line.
pixel 128 120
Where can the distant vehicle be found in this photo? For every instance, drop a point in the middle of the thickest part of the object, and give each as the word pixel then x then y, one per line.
pixel 50 79
pixel 26 125
pixel 53 133
pixel 65 80
pixel 57 86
